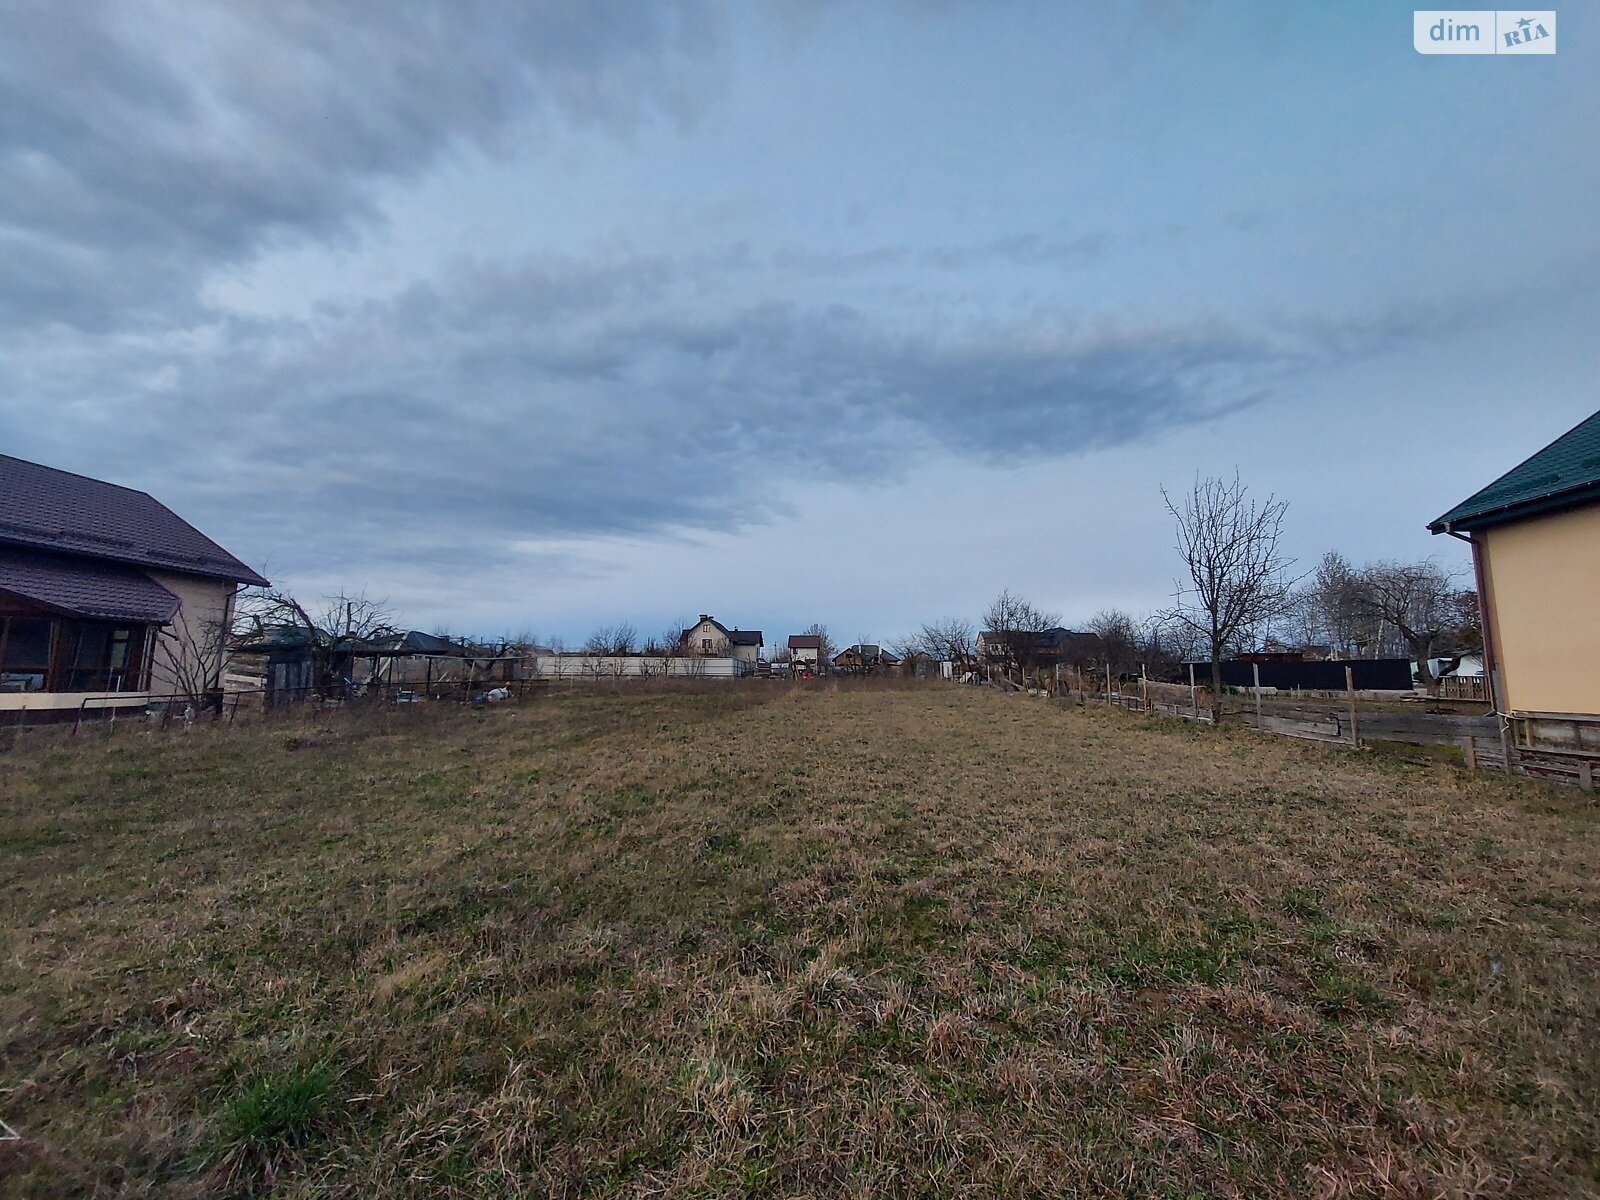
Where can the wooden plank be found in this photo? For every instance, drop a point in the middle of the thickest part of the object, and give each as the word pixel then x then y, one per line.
pixel 1350 690
pixel 1426 727
pixel 1321 731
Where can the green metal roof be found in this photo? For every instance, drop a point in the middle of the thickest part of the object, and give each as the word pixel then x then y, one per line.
pixel 1564 473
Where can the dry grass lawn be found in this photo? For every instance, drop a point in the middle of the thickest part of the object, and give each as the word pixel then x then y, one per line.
pixel 789 941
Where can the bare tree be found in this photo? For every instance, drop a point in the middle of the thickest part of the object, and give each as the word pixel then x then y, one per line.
pixel 357 615
pixel 1167 645
pixel 260 611
pixel 1463 633
pixel 522 649
pixel 1121 639
pixel 558 661
pixel 1421 600
pixel 825 647
pixel 1229 545
pixel 660 653
pixel 612 640
pixel 342 615
pixel 1012 627
pixel 189 652
pixel 341 619
pixel 1325 609
pixel 953 640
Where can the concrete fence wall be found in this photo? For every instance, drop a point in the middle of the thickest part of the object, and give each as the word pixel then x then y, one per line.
pixel 588 668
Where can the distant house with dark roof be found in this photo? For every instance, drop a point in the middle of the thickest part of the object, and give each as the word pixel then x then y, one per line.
pixel 1046 646
pixel 805 652
pixel 710 638
pixel 864 658
pixel 1535 536
pixel 108 599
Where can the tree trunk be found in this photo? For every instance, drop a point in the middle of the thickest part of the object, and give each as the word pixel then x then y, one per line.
pixel 1421 644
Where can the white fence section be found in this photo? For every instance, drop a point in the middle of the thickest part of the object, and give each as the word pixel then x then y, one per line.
pixel 593 668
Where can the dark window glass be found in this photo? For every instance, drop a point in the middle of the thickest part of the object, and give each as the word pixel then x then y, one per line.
pixel 99 657
pixel 91 651
pixel 27 642
pixel 27 655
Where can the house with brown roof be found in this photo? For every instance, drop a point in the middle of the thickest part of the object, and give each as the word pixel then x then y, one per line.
pixel 108 599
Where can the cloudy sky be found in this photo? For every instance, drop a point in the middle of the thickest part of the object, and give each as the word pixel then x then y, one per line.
pixel 535 317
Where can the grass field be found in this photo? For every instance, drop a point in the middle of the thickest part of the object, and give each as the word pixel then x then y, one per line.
pixel 773 940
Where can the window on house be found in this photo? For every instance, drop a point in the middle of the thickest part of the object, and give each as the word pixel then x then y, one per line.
pixel 89 656
pixel 103 657
pixel 99 657
pixel 24 653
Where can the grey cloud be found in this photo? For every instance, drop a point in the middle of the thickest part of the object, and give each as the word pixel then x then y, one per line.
pixel 582 399
pixel 496 404
pixel 143 145
pixel 1025 250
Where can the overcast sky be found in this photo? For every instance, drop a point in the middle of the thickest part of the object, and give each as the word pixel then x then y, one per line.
pixel 535 317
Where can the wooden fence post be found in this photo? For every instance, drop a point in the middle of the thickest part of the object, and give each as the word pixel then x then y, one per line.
pixel 1469 752
pixel 1144 690
pixel 1255 671
pixel 1350 691
pixel 1194 696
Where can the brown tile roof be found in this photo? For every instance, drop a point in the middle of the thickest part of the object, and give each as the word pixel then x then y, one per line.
pixel 49 509
pixel 805 641
pixel 106 591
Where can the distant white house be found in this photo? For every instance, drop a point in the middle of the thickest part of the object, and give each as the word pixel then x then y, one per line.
pixel 805 652
pixel 710 638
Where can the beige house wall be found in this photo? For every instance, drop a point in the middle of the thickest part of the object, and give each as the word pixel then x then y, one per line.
pixel 1542 576
pixel 703 631
pixel 192 636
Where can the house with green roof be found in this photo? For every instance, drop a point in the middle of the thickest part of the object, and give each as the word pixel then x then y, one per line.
pixel 1535 536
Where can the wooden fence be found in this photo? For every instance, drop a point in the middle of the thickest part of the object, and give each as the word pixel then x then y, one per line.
pixel 1483 743
pixel 1462 687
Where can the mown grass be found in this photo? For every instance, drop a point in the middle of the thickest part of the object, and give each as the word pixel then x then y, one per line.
pixel 790 941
